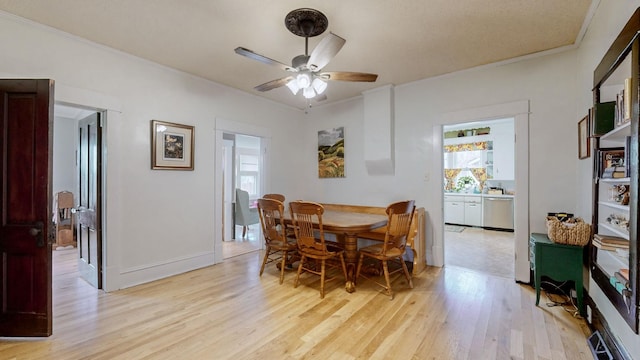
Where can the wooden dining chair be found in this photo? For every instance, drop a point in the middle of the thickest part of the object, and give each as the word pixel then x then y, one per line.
pixel 394 245
pixel 312 244
pixel 281 198
pixel 279 247
pixel 278 197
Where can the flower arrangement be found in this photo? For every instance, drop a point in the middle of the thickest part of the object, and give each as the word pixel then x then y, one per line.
pixel 465 182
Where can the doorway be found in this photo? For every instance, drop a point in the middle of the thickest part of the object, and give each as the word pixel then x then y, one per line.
pixel 221 217
pixel 519 110
pixel 77 149
pixel 242 171
pixel 479 179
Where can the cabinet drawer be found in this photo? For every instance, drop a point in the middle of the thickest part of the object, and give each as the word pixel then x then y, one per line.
pixel 473 199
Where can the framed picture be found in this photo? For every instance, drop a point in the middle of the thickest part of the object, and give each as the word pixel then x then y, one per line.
pixel 331 153
pixel 583 138
pixel 171 146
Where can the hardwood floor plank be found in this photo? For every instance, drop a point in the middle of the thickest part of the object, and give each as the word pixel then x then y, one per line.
pixel 227 311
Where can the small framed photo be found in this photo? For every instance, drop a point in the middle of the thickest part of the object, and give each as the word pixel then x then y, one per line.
pixel 584 148
pixel 171 146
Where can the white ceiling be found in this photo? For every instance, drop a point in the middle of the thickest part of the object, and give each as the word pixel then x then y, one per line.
pixel 402 40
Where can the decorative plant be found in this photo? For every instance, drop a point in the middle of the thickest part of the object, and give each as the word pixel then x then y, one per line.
pixel 465 182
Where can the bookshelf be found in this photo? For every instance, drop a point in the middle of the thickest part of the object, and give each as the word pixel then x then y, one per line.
pixel 614 247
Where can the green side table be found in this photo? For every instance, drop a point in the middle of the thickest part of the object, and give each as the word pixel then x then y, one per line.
pixel 557 261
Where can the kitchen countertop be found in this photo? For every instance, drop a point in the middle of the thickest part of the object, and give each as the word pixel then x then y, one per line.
pixel 480 195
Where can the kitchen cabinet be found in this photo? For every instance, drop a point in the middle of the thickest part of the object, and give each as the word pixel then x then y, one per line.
pixel 454 209
pixel 473 210
pixel 612 217
pixel 503 153
pixel 463 209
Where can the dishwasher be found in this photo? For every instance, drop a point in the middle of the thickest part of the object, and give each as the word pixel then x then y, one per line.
pixel 497 212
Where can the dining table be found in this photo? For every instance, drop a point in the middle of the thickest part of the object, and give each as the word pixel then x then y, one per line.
pixel 347 225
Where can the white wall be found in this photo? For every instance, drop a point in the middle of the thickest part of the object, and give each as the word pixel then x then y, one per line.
pixel 64 154
pixel 158 222
pixel 548 83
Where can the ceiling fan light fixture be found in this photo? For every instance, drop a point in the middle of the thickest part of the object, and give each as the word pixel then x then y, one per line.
pixel 319 86
pixel 308 92
pixel 293 86
pixel 304 80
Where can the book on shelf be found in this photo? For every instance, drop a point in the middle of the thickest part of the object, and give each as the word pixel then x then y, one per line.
pixel 610 243
pixel 614 172
pixel 627 150
pixel 607 247
pixel 611 240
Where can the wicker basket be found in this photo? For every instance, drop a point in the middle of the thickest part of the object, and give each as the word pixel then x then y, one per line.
pixel 576 232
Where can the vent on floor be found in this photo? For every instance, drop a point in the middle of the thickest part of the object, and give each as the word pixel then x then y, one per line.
pixel 598 347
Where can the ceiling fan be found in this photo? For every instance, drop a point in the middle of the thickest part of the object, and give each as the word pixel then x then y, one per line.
pixel 307 69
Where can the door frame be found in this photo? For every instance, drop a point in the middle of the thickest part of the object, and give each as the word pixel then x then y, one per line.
pixel 519 110
pixel 228 126
pixel 111 123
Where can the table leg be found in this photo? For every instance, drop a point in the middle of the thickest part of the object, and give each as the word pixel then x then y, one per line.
pixel 351 259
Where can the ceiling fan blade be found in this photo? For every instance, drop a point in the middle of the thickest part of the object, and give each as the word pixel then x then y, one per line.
pixel 274 84
pixel 263 59
pixel 348 76
pixel 325 51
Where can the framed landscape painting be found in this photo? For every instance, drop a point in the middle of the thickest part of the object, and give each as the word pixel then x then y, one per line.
pixel 171 146
pixel 331 153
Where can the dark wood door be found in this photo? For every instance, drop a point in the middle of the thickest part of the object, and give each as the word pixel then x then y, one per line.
pixel 88 214
pixel 25 200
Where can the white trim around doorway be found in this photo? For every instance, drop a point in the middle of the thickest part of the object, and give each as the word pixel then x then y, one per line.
pixel 228 126
pixel 519 110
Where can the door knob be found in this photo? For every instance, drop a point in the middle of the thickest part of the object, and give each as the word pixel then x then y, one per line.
pixel 37 233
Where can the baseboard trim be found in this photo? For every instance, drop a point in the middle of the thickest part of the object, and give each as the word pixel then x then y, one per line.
pixel 150 272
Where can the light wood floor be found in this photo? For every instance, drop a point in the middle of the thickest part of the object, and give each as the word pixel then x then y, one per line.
pixel 486 251
pixel 239 245
pixel 227 311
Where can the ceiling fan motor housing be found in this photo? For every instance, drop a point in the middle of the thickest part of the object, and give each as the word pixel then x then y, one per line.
pixel 300 62
pixel 306 22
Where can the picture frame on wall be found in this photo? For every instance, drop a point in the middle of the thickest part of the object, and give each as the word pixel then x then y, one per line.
pixel 171 146
pixel 331 153
pixel 584 148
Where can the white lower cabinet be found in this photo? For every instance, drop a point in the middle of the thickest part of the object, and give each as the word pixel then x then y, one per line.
pixel 473 213
pixel 463 210
pixel 454 209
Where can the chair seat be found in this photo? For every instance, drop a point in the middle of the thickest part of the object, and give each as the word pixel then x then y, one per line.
pixel 319 254
pixel 376 250
pixel 283 245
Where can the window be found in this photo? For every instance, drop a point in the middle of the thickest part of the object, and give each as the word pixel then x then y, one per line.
pixel 248 170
